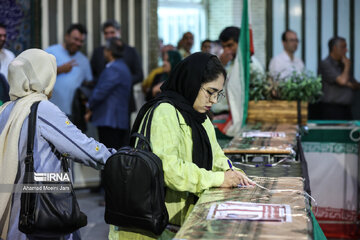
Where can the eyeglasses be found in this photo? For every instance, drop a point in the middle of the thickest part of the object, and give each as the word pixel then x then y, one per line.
pixel 214 95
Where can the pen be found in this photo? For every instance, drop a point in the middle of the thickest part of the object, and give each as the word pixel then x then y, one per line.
pixel 273 165
pixel 248 165
pixel 230 165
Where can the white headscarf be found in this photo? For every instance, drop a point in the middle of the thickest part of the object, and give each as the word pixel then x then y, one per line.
pixel 31 77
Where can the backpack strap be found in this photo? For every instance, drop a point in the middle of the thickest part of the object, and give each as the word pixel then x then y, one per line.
pixel 146 127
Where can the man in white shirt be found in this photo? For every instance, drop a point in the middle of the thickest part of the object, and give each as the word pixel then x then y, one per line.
pixel 283 65
pixel 6 56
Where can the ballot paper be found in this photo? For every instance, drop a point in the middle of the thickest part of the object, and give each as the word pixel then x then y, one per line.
pixel 234 210
pixel 263 134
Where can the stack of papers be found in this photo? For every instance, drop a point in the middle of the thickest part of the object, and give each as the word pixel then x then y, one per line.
pixel 233 210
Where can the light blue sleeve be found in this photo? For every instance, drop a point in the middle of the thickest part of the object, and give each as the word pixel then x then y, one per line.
pixel 87 69
pixel 89 75
pixel 56 128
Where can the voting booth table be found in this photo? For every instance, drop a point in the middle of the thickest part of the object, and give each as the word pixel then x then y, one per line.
pixel 251 213
pixel 270 141
pixel 277 208
pixel 331 151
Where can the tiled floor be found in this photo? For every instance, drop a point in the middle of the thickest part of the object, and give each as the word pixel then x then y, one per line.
pixel 96 228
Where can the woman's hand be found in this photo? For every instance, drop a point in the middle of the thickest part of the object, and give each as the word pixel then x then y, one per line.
pixel 234 178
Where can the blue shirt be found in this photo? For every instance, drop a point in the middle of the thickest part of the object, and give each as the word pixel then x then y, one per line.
pixel 52 128
pixel 67 83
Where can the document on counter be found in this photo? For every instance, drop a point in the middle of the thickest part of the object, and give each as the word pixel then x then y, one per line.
pixel 263 134
pixel 234 210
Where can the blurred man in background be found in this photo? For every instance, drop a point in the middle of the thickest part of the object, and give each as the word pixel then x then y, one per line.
pixel 185 44
pixel 206 46
pixel 73 67
pixel 112 29
pixel 337 82
pixel 285 64
pixel 6 56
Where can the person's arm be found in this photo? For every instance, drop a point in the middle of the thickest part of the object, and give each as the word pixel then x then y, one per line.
pixel 66 67
pixel 354 83
pixel 179 174
pixel 344 78
pixel 56 128
pixel 168 139
pixel 220 161
pixel 331 75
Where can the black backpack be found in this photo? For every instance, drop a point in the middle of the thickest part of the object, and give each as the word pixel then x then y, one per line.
pixel 134 185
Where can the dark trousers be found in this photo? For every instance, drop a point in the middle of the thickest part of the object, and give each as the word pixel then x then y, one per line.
pixel 332 111
pixel 112 138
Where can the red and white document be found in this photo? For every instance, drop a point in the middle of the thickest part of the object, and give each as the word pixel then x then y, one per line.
pixel 233 210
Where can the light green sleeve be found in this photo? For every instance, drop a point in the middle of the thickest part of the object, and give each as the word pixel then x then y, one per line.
pixel 173 144
pixel 219 159
pixel 220 162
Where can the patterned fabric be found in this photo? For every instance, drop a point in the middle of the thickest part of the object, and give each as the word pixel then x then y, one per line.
pixel 16 15
pixel 332 158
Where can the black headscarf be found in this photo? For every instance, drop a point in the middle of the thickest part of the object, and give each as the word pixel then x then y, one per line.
pixel 181 89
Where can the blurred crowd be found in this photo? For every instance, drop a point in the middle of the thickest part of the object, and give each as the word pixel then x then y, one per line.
pixel 100 90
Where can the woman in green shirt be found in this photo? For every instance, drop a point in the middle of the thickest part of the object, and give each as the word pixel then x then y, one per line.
pixel 183 137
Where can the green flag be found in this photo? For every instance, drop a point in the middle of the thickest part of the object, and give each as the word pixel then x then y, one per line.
pixel 238 85
pixel 244 56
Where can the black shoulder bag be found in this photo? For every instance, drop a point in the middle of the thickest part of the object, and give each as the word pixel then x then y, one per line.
pixel 47 214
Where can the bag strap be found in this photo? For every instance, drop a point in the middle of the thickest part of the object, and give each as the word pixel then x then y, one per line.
pixel 29 160
pixel 142 138
pixel 146 127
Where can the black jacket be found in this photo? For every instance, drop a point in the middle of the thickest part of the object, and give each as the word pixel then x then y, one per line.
pixel 4 89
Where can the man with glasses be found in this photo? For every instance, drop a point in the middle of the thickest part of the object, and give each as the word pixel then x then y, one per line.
pixel 285 64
